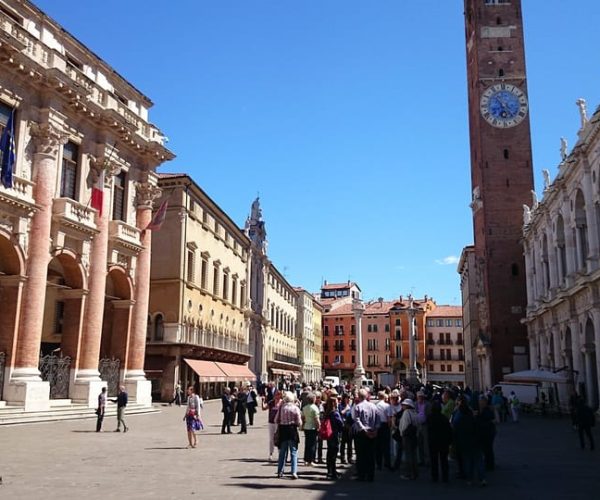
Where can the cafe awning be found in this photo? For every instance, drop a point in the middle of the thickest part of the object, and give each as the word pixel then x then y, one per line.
pixel 236 373
pixel 208 371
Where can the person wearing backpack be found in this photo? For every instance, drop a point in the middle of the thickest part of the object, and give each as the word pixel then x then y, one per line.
pixel 409 424
pixel 330 431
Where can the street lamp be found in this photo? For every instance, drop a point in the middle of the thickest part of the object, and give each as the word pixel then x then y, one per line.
pixel 358 308
pixel 412 374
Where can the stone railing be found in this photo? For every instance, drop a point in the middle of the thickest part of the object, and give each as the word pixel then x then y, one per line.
pixel 120 231
pixel 22 190
pixel 51 59
pixel 73 213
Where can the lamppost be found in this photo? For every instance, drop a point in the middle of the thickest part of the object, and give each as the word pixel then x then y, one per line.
pixel 412 373
pixel 358 308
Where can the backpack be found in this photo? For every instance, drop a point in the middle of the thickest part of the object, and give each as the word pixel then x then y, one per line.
pixel 325 430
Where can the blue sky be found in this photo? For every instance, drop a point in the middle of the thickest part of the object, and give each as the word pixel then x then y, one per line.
pixel 348 117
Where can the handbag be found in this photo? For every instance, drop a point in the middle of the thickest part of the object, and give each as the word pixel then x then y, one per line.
pixel 277 438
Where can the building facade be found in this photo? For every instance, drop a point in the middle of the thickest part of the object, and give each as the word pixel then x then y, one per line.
pixel 74 280
pixel 376 339
pixel 318 334
pixel 308 347
pixel 562 254
pixel 445 346
pixel 199 294
pixel 501 178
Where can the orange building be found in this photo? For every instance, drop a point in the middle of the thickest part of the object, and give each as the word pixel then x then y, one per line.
pixel 339 340
pixel 399 334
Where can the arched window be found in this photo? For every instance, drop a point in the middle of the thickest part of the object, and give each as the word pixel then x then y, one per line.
pixel 159 328
pixel 561 262
pixel 581 230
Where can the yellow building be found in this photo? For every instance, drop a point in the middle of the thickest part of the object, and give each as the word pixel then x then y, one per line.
pixel 317 373
pixel 198 294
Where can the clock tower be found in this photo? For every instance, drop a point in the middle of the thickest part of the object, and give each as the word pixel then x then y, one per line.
pixel 502 182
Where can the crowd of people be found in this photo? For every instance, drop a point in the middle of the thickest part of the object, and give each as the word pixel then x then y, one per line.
pixel 401 429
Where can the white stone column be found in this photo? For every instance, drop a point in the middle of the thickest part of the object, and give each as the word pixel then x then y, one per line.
pixel 552 257
pixel 590 217
pixel 576 351
pixel 358 308
pixel 529 274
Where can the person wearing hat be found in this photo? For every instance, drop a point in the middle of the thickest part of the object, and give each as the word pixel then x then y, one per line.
pixel 409 424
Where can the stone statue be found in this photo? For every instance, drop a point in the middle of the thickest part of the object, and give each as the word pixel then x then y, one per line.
pixel 563 148
pixel 582 111
pixel 526 215
pixel 535 200
pixel 546 174
pixel 256 212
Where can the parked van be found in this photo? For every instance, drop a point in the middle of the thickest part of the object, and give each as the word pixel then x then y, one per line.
pixel 368 383
pixel 332 380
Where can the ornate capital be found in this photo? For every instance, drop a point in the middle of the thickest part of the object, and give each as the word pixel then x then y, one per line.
pixel 47 138
pixel 146 193
pixel 100 163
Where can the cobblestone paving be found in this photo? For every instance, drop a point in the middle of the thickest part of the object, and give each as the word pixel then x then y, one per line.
pixel 537 458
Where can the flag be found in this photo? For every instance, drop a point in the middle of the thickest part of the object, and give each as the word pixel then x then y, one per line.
pixel 98 192
pixel 7 150
pixel 159 217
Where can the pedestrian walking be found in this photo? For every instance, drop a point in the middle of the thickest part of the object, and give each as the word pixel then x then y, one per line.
pixel 177 396
pixel 382 449
pixel 345 409
pixel 192 418
pixel 121 400
pixel 310 425
pixel 486 433
pixel 467 445
pixel 409 428
pixel 226 410
pixel 332 415
pixel 366 423
pixel 100 409
pixel 272 405
pixel 242 400
pixel 251 403
pixel 514 404
pixel 288 421
pixel 439 433
pixel 585 421
pixel 423 408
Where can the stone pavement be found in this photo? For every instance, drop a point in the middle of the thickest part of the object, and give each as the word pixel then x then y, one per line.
pixel 537 458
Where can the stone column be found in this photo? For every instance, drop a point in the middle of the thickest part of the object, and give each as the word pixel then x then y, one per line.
pixel 11 289
pixel 358 308
pixel 590 217
pixel 532 347
pixel 86 377
pixel 529 275
pixel 576 350
pixel 25 385
pixel 135 380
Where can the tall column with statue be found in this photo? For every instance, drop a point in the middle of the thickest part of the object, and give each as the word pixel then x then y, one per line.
pixel 138 387
pixel 25 385
pixel 358 309
pixel 412 375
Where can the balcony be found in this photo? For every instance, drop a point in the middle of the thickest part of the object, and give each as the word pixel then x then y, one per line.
pixel 20 195
pixel 286 359
pixel 73 214
pixel 125 235
pixel 212 340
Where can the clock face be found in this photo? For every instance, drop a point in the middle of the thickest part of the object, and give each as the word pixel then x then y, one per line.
pixel 503 105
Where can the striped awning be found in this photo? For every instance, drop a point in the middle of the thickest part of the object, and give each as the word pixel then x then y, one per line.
pixel 236 373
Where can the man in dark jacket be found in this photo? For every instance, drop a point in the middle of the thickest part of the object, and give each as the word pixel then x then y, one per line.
pixel 439 435
pixel 486 432
pixel 242 400
pixel 585 421
pixel 227 410
pixel 121 400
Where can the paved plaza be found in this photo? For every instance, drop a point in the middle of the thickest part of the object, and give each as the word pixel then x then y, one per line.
pixel 538 458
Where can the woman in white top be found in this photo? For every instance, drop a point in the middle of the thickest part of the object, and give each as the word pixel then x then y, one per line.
pixel 192 416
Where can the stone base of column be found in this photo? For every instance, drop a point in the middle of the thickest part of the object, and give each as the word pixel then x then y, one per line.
pixel 359 376
pixel 412 377
pixel 138 388
pixel 26 388
pixel 85 387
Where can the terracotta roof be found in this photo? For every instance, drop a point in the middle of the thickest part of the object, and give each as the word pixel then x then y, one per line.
pixel 378 307
pixel 340 311
pixel 446 312
pixel 336 286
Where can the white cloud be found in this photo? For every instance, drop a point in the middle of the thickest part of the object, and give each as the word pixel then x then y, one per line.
pixel 446 261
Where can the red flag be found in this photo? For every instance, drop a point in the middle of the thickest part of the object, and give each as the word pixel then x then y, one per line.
pixel 98 192
pixel 159 217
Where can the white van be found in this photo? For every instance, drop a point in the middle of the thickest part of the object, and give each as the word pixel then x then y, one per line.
pixel 332 380
pixel 368 383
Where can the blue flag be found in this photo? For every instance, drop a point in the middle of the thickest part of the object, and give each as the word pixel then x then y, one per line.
pixel 7 152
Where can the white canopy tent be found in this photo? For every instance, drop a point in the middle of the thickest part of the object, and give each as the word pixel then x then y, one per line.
pixel 537 376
